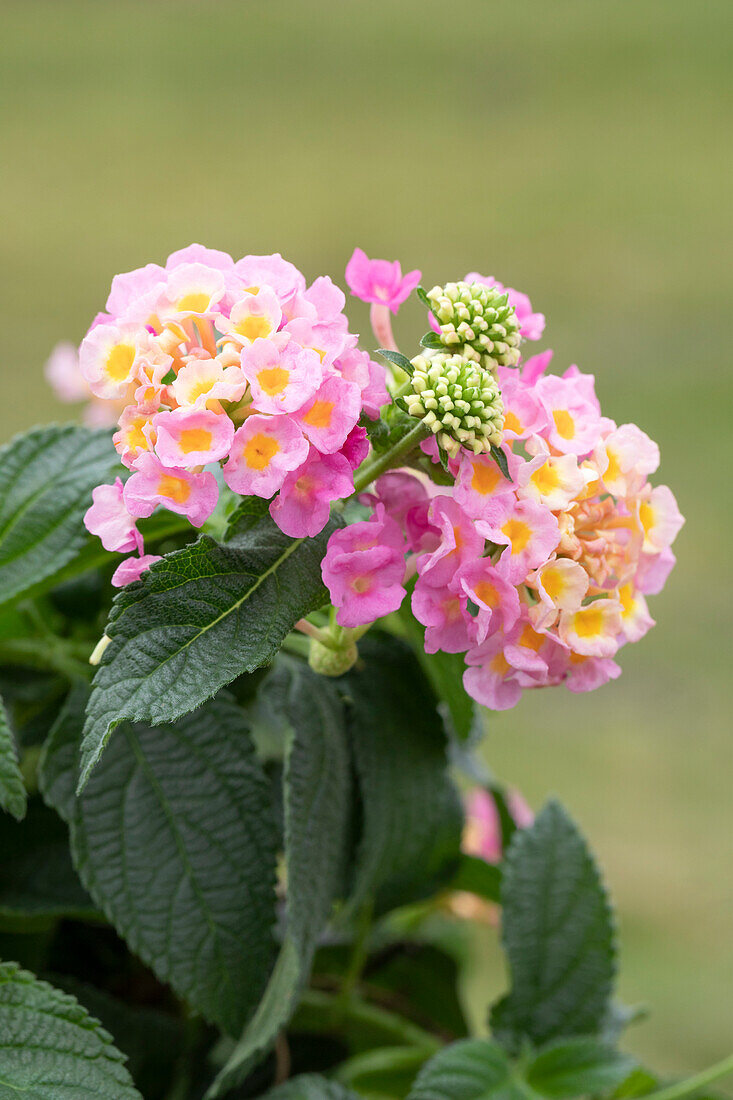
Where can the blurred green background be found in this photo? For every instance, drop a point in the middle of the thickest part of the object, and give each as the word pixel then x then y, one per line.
pixel 577 149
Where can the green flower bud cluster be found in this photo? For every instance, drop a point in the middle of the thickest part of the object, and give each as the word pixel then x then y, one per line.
pixel 479 317
pixel 458 399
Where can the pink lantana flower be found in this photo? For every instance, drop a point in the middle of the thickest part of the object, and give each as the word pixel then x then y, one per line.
pixel 592 630
pixel 109 519
pixel 482 834
pixel 379 281
pixel 282 376
pixel 530 532
pixel 444 614
pixel 481 488
pixel 178 490
pixel 364 568
pixel 531 325
pixel 496 600
pixel 330 415
pixel 254 317
pixel 303 505
pixel 131 569
pixel 460 541
pixel 264 450
pixel 192 436
pixel 574 424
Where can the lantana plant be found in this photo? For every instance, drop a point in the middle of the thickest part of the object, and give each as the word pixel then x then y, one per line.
pixel 249 635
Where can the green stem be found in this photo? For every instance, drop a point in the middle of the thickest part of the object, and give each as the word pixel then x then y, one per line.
pixel 323 1012
pixel 61 655
pixel 359 953
pixel 692 1084
pixel 374 468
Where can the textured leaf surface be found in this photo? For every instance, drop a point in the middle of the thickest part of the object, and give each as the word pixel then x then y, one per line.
pixel 175 839
pixel 412 816
pixel 317 798
pixel 311 1087
pixel 46 481
pixel 558 934
pixel 472 1069
pixel 577 1067
pixel 51 1048
pixel 196 620
pixel 12 789
pixel 37 878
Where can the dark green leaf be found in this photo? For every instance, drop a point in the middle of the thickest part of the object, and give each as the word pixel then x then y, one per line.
pixel 423 979
pixel 175 839
pixel 558 933
pixel 397 359
pixel 472 1069
pixel 37 879
pixel 46 481
pixel 51 1048
pixel 478 877
pixel 150 1040
pixel 196 620
pixel 432 340
pixel 12 788
pixel 577 1067
pixel 317 798
pixel 445 672
pixel 499 456
pixel 311 1087
pixel 412 815
pixel 423 296
pixel 384 1071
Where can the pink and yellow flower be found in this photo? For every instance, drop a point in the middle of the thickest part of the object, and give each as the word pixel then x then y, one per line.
pixel 303 505
pixel 192 436
pixel 264 450
pixel 281 378
pixel 178 490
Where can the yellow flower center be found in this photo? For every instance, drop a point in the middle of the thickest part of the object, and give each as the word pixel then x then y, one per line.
pixel 195 439
pixel 119 362
pixel 260 450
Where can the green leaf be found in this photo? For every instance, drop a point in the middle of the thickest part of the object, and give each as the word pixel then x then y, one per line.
pixel 471 1069
pixel 150 1040
pixel 423 978
pixel 445 672
pixel 387 1071
pixel 423 296
pixel 397 359
pixel 46 482
pixel 317 801
pixel 499 456
pixel 12 788
pixel 311 1087
pixel 478 877
pixel 432 340
pixel 558 934
pixel 51 1048
pixel 576 1067
pixel 196 620
pixel 412 818
pixel 37 879
pixel 175 839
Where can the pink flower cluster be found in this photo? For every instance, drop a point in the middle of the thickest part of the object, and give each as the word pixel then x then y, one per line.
pixel 539 578
pixel 215 363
